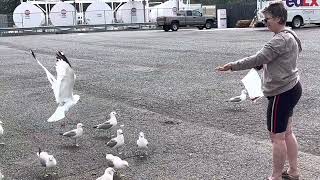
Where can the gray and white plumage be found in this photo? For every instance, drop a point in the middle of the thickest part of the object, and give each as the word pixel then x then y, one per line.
pixel 62 86
pixel 75 133
pixel 240 98
pixel 117 141
pixel 108 174
pixel 116 162
pixel 46 160
pixel 142 142
pixel 112 122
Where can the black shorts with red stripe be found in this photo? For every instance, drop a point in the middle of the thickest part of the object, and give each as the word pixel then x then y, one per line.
pixel 280 108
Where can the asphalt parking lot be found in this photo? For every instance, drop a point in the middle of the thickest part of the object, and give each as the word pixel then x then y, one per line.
pixel 163 84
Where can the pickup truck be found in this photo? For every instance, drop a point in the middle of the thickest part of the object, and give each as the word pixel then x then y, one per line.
pixel 186 18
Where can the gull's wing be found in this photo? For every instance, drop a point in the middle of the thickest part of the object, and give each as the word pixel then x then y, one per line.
pixel 234 99
pixel 50 77
pixel 43 162
pixel 58 114
pixel 65 81
pixel 70 133
pixel 112 143
pixel 105 125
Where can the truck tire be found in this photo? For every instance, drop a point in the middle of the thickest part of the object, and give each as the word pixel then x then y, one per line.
pixel 296 22
pixel 200 27
pixel 208 25
pixel 174 26
pixel 166 28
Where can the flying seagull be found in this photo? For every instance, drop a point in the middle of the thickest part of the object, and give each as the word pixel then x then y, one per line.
pixel 117 141
pixel 75 133
pixel 240 98
pixel 108 174
pixel 109 124
pixel 142 143
pixel 62 86
pixel 46 160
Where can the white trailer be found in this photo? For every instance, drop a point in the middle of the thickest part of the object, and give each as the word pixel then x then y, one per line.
pixel 300 12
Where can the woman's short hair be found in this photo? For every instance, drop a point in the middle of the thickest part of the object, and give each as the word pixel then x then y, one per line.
pixel 277 10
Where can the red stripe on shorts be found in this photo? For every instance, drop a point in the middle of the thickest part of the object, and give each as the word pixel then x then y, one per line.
pixel 275 120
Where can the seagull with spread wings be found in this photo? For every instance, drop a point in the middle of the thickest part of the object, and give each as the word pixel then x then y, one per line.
pixel 62 86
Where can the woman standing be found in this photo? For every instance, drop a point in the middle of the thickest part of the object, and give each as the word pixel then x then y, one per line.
pixel 281 86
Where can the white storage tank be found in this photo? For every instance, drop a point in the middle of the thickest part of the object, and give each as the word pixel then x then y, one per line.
pixel 131 12
pixel 63 14
pixel 99 13
pixel 27 15
pixel 168 8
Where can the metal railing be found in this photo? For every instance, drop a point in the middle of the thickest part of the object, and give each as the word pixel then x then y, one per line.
pixel 88 21
pixel 134 15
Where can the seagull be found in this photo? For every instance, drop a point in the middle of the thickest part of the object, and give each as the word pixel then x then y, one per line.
pixel 75 133
pixel 112 122
pixel 1 131
pixel 142 142
pixel 116 162
pixel 62 86
pixel 240 98
pixel 108 174
pixel 117 141
pixel 46 160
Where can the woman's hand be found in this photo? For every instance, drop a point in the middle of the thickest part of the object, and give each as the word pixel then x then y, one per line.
pixel 225 67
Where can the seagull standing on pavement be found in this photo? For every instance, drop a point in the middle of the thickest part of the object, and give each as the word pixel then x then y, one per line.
pixel 62 86
pixel 142 143
pixel 108 174
pixel 117 141
pixel 240 98
pixel 46 160
pixel 75 133
pixel 109 124
pixel 1 132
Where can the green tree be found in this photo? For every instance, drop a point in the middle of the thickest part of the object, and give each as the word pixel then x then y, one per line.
pixel 8 6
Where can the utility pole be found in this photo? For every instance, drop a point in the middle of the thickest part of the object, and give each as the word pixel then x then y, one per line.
pixel 177 6
pixel 144 10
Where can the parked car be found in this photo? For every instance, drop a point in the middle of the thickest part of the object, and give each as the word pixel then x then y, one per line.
pixel 186 18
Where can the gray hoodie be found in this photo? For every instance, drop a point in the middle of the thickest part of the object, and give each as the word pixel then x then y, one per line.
pixel 279 59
